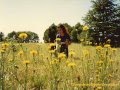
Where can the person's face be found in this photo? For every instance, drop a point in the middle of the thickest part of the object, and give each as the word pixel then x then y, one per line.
pixel 60 31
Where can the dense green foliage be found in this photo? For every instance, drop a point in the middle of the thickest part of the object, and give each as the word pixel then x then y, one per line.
pixel 74 31
pixel 1 36
pixel 104 19
pixel 32 37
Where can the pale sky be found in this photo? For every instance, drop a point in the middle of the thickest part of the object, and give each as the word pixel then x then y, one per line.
pixel 38 15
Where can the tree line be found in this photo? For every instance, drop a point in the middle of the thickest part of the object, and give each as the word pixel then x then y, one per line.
pixel 31 37
pixel 103 20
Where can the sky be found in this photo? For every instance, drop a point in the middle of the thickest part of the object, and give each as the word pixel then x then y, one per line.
pixel 38 15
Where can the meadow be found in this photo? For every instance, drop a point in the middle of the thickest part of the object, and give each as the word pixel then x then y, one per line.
pixel 33 66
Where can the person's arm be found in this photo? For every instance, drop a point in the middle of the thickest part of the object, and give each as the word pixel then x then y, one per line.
pixel 68 40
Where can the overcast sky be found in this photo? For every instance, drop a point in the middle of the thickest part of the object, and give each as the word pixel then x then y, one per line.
pixel 37 15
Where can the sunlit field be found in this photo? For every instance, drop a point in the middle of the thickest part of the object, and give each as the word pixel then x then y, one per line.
pixel 35 67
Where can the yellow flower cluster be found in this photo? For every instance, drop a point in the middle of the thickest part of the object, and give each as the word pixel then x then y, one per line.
pixel 23 36
pixel 5 45
pixel 26 62
pixel 33 52
pixel 71 64
pixel 54 61
pixel 99 48
pixel 71 53
pixel 85 28
pixel 86 53
pixel 20 53
pixel 58 39
pixel 2 51
pixel 61 56
pixel 52 51
pixel 107 45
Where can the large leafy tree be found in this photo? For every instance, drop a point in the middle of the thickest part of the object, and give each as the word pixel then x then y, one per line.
pixel 74 35
pixel 32 36
pixel 50 33
pixel 103 20
pixel 78 27
pixel 1 36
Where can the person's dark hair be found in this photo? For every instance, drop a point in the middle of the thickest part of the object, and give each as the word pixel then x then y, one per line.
pixel 63 29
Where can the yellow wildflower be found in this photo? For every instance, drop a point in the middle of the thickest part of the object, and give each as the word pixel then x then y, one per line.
pixel 100 62
pixel 58 39
pixel 55 61
pixel 67 62
pixel 85 28
pixel 86 53
pixel 72 64
pixel 52 51
pixel 99 48
pixel 23 35
pixel 71 53
pixel 111 61
pixel 26 62
pixel 107 45
pixel 61 56
pixel 5 45
pixel 20 53
pixel 99 88
pixel 33 52
pixel 2 51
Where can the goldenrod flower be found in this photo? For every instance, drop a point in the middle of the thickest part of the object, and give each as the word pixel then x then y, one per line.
pixel 99 48
pixel 5 45
pixel 111 61
pixel 85 28
pixel 55 61
pixel 49 47
pixel 100 62
pixel 23 35
pixel 107 45
pixel 20 53
pixel 110 75
pixel 26 62
pixel 2 51
pixel 71 53
pixel 33 52
pixel 61 56
pixel 86 53
pixel 99 88
pixel 67 62
pixel 72 64
pixel 58 39
pixel 10 60
pixel 52 51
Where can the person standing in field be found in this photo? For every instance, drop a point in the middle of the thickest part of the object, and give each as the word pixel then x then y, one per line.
pixel 65 39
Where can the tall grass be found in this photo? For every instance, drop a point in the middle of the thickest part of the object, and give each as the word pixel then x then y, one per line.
pixel 34 67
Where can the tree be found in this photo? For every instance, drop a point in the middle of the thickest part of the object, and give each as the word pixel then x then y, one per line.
pixel 12 35
pixel 50 34
pixel 102 20
pixel 74 35
pixel 1 36
pixel 78 28
pixel 32 37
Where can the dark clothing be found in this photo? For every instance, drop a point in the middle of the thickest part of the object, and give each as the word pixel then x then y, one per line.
pixel 64 47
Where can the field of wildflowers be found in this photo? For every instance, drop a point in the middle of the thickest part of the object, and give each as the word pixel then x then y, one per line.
pixel 29 66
